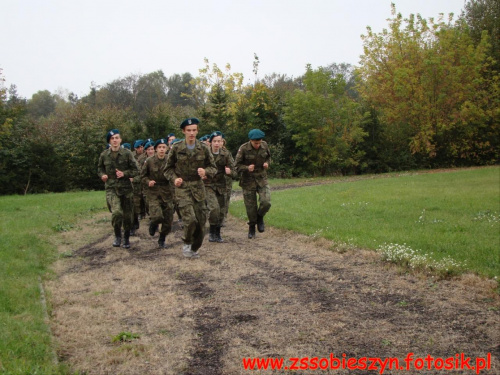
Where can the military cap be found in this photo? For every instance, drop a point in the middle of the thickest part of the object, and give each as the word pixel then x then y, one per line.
pixel 111 133
pixel 161 141
pixel 138 143
pixel 127 146
pixel 216 134
pixel 148 145
pixel 256 134
pixel 189 121
pixel 170 135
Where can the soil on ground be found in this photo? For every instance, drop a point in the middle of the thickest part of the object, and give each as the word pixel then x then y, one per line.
pixel 147 310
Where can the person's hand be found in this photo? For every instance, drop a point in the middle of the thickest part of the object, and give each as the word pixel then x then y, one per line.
pixel 251 167
pixel 202 173
pixel 119 174
pixel 151 183
pixel 178 182
pixel 228 170
pixel 104 177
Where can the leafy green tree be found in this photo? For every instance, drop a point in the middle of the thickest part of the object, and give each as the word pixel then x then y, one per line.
pixel 179 90
pixel 481 16
pixel 426 81
pixel 325 124
pixel 42 103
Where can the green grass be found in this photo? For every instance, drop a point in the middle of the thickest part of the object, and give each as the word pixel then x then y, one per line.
pixel 454 214
pixel 26 252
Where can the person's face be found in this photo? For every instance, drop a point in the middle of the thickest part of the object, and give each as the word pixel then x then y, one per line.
pixel 216 143
pixel 139 150
pixel 256 143
pixel 115 141
pixel 150 151
pixel 190 132
pixel 170 139
pixel 161 150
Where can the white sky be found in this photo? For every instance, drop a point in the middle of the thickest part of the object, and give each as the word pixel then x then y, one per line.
pixel 68 44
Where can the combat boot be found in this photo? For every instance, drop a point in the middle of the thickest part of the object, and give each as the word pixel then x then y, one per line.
pixel 251 231
pixel 118 238
pixel 153 228
pixel 217 234
pixel 126 239
pixel 161 241
pixel 212 236
pixel 260 224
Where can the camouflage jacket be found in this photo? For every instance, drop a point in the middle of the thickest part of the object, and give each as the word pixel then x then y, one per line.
pixel 124 162
pixel 219 182
pixel 184 163
pixel 154 169
pixel 248 155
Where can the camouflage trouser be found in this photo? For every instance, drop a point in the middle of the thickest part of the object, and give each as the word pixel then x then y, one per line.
pixel 161 212
pixel 250 199
pixel 122 209
pixel 228 198
pixel 194 218
pixel 216 203
pixel 137 199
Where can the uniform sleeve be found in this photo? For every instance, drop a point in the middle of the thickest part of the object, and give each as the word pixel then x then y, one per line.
pixel 170 166
pixel 239 162
pixel 231 165
pixel 211 168
pixel 101 171
pixel 145 173
pixel 133 168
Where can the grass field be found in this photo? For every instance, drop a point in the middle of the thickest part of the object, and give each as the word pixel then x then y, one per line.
pixel 447 214
pixel 444 215
pixel 26 252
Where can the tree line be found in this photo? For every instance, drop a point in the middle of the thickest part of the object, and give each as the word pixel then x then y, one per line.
pixel 425 95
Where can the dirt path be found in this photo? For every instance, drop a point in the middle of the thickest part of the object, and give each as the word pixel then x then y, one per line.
pixel 279 295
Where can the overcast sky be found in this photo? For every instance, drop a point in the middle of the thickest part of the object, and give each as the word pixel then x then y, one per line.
pixel 68 44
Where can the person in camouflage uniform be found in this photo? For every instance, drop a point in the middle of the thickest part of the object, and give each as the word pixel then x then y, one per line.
pixel 229 182
pixel 160 197
pixel 188 163
pixel 216 188
pixel 136 184
pixel 252 161
pixel 115 168
pixel 149 151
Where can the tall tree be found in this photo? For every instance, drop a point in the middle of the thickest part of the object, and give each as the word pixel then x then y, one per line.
pixel 325 124
pixel 484 16
pixel 426 81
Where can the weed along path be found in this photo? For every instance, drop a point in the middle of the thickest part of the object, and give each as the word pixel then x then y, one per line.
pixel 285 296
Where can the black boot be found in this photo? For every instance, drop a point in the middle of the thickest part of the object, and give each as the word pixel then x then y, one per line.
pixel 260 224
pixel 152 229
pixel 217 234
pixel 161 241
pixel 251 231
pixel 118 237
pixel 212 236
pixel 126 239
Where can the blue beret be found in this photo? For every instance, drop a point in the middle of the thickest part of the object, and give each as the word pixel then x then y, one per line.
pixel 255 134
pixel 127 146
pixel 190 121
pixel 177 140
pixel 148 145
pixel 111 133
pixel 170 135
pixel 216 134
pixel 161 141
pixel 138 143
